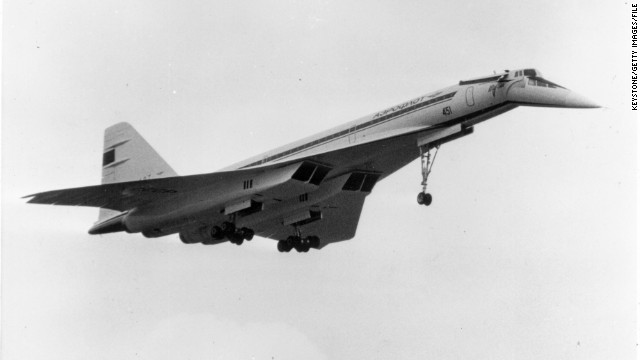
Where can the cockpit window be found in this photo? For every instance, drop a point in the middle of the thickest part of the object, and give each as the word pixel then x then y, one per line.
pixel 536 81
pixel 530 72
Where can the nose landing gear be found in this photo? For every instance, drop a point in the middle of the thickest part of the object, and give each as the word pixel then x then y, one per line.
pixel 426 162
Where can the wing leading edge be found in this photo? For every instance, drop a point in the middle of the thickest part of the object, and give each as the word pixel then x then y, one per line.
pixel 123 196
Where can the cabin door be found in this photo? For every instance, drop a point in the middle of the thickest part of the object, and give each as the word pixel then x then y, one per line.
pixel 352 135
pixel 470 101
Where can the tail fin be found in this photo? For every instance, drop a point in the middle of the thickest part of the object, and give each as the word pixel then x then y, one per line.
pixel 128 157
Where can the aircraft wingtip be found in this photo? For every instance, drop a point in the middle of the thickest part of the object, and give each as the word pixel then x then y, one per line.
pixel 33 199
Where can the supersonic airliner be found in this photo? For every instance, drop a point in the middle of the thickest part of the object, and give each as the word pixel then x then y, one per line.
pixel 306 194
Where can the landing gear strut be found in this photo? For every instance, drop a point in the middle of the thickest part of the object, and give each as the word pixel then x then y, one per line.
pixel 424 198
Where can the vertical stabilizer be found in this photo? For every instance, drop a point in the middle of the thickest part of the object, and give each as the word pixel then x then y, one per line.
pixel 128 157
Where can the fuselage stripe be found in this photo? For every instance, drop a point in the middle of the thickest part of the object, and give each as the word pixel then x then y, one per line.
pixel 365 125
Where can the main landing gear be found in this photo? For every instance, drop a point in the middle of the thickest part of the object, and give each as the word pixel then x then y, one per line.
pixel 228 230
pixel 424 198
pixel 298 242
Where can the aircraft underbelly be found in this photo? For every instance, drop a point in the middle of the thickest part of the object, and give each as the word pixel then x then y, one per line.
pixel 382 157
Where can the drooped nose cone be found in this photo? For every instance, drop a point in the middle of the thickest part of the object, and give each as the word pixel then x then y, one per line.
pixel 575 100
pixel 536 91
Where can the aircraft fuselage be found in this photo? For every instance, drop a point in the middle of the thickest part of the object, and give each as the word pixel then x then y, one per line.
pixel 324 176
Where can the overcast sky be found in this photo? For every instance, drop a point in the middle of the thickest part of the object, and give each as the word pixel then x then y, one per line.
pixel 528 250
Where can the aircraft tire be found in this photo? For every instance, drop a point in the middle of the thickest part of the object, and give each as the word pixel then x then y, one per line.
pixel 424 199
pixel 228 228
pixel 247 234
pixel 297 244
pixel 291 241
pixel 314 242
pixel 283 246
pixel 216 233
pixel 236 238
pixel 301 245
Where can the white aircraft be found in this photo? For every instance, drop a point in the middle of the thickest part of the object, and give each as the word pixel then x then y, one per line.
pixel 306 194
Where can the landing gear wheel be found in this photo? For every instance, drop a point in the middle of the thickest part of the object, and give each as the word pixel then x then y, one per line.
pixel 297 244
pixel 291 241
pixel 216 233
pixel 228 228
pixel 305 245
pixel 247 234
pixel 314 242
pixel 283 246
pixel 236 239
pixel 425 199
pixel 302 245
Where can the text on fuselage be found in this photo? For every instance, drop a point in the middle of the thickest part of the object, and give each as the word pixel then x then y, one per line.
pixel 398 107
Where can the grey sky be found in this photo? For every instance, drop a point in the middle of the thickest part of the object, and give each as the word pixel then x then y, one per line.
pixel 527 252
